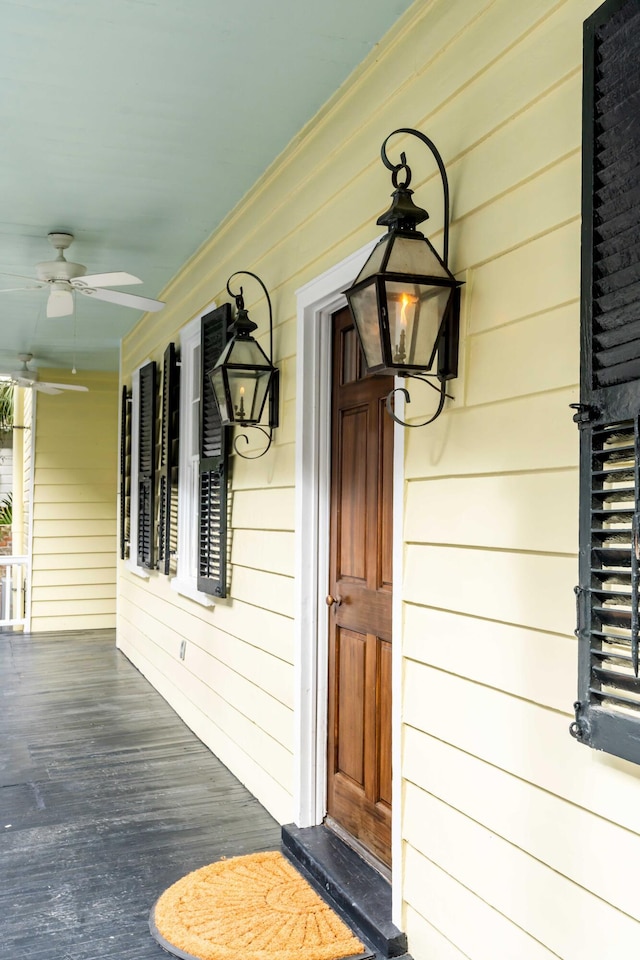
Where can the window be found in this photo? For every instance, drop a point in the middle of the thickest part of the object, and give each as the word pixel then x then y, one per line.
pixel 608 709
pixel 201 535
pixel 139 515
pixel 168 469
pixel 125 471
pixel 147 466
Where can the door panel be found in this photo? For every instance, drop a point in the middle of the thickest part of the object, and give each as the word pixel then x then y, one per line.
pixel 352 493
pixel 350 700
pixel 359 736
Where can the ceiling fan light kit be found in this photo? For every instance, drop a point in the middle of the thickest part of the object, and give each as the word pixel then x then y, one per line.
pixel 64 277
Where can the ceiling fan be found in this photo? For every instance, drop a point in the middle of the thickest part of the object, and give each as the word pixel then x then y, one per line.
pixel 64 277
pixel 24 377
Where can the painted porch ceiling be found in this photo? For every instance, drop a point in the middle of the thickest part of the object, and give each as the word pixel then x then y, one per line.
pixel 137 125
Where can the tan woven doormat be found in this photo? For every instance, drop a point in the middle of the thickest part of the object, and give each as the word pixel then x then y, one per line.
pixel 250 908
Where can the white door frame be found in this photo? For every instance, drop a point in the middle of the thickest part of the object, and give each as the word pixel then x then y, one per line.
pixel 318 300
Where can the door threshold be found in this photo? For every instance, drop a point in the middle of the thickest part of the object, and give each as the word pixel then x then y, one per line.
pixel 353 886
pixel 359 848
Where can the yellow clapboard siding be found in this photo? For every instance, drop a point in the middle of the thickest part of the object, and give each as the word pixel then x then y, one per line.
pixel 43 529
pixel 78 592
pixel 266 550
pixel 538 747
pixel 275 469
pixel 74 530
pixel 260 708
pixel 262 668
pixel 510 511
pixel 509 287
pixel 426 940
pixel 530 433
pixel 271 591
pixel 516 360
pixel 75 510
pixel 267 509
pixel 62 475
pixel 247 734
pixel 51 609
pixel 52 562
pixel 510 658
pixel 93 450
pixel 61 576
pixel 75 493
pixel 537 899
pixel 252 698
pixel 494 584
pixel 520 215
pixel 264 629
pixel 485 933
pixel 571 841
pixel 49 419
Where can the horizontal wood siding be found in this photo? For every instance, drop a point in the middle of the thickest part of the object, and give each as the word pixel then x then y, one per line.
pixel 510 829
pixel 74 505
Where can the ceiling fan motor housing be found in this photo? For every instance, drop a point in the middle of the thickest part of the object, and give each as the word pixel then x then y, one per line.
pixel 60 269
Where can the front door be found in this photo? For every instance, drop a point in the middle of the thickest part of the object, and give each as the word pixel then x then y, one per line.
pixel 359 709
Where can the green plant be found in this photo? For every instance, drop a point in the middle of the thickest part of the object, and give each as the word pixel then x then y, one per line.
pixel 6 407
pixel 6 510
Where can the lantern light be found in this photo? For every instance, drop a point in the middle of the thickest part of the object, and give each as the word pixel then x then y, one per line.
pixel 244 379
pixel 405 301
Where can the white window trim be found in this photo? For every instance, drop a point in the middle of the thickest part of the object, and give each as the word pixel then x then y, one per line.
pixel 186 579
pixel 131 562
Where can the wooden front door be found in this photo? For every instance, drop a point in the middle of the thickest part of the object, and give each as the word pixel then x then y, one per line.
pixel 359 709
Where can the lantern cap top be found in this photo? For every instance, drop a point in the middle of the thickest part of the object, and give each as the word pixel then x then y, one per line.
pixel 403 215
pixel 243 326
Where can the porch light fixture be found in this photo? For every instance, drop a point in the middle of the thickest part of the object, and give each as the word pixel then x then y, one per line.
pixel 405 301
pixel 244 379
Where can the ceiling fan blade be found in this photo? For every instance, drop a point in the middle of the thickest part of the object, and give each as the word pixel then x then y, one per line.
pixel 34 286
pixel 59 387
pixel 45 387
pixel 124 299
pixel 107 280
pixel 19 276
pixel 60 303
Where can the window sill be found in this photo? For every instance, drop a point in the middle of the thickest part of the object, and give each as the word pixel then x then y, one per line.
pixel 186 588
pixel 135 569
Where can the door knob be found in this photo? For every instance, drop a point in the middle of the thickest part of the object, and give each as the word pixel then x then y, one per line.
pixel 333 601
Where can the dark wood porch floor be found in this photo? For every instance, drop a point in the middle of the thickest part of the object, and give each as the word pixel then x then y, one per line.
pixel 106 798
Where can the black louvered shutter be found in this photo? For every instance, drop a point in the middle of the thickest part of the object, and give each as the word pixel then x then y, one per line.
pixel 147 466
pixel 125 471
pixel 212 516
pixel 168 474
pixel 608 711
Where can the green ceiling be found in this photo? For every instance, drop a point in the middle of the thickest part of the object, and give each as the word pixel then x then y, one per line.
pixel 137 125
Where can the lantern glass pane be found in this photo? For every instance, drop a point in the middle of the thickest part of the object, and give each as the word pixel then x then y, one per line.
pixel 374 263
pixel 364 306
pixel 248 389
pixel 415 314
pixel 247 353
pixel 415 255
pixel 217 383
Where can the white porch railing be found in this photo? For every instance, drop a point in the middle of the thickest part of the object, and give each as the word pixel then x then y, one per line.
pixel 13 586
